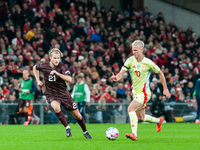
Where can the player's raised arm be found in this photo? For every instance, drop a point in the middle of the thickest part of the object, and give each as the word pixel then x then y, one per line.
pixel 163 81
pixel 118 76
pixel 36 74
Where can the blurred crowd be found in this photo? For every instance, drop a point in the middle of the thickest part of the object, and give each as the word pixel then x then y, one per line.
pixel 95 42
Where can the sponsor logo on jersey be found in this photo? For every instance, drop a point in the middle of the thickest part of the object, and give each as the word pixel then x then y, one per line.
pixel 138 66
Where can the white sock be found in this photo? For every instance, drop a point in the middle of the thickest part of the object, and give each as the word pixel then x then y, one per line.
pixel 133 121
pixel 149 118
pixel 84 132
pixel 135 133
pixel 158 120
pixel 67 127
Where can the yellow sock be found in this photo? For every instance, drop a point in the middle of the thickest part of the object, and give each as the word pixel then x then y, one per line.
pixel 148 118
pixel 133 121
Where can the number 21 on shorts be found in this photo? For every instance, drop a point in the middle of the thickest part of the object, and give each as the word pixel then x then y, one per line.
pixel 137 73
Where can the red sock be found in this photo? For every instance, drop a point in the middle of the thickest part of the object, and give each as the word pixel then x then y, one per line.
pixel 62 119
pixel 82 124
pixel 26 116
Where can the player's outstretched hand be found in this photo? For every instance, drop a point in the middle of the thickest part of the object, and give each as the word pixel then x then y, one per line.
pixel 40 83
pixel 166 93
pixel 113 77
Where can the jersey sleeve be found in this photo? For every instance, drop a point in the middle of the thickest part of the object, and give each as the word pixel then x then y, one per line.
pixel 65 70
pixel 39 66
pixel 126 64
pixel 154 67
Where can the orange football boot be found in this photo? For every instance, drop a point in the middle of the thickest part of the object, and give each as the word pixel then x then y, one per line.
pixel 131 136
pixel 25 123
pixel 197 121
pixel 159 124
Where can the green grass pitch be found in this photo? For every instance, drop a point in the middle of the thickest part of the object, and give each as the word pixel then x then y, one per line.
pixel 173 136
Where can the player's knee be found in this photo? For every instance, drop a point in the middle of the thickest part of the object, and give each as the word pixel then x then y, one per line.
pixel 79 117
pixel 57 109
pixel 129 109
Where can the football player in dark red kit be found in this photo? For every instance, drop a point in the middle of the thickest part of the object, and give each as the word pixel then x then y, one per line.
pixel 56 75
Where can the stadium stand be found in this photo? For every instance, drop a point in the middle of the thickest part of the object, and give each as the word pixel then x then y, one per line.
pixel 95 42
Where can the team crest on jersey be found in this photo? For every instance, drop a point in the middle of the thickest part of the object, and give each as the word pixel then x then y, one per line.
pixel 138 66
pixel 133 66
pixel 143 68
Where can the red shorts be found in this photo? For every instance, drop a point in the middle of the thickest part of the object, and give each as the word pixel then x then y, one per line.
pixel 24 103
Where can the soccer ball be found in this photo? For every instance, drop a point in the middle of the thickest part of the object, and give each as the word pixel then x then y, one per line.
pixel 112 133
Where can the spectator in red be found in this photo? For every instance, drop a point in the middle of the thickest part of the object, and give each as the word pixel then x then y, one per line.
pixel 27 58
pixel 89 30
pixel 72 8
pixel 6 92
pixel 2 95
pixel 197 68
pixel 162 61
pixel 113 100
pixel 103 84
pixel 18 40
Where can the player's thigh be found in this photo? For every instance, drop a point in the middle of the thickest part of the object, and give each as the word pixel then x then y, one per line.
pixel 142 98
pixel 56 106
pixel 140 114
pixel 134 106
pixel 21 105
pixel 76 114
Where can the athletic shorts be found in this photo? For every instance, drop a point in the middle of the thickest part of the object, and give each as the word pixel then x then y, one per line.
pixel 68 104
pixel 143 98
pixel 24 103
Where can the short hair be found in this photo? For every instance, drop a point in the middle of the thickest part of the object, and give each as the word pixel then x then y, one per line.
pixel 25 71
pixel 79 77
pixel 55 51
pixel 138 43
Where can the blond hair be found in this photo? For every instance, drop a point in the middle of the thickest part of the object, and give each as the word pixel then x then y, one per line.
pixel 17 8
pixel 55 51
pixel 138 43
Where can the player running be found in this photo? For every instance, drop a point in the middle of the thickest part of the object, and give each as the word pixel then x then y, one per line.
pixel 140 68
pixel 56 75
